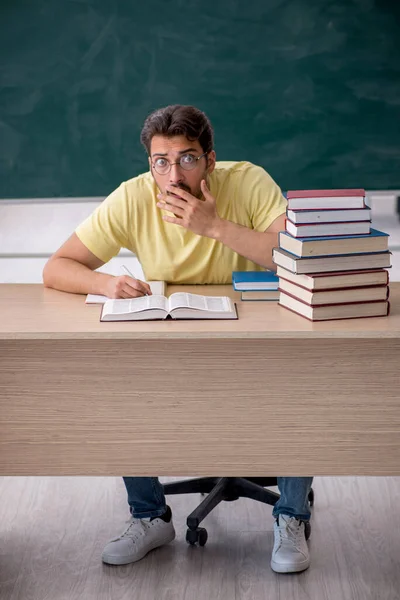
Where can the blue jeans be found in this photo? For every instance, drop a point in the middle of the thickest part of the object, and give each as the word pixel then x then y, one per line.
pixel 146 497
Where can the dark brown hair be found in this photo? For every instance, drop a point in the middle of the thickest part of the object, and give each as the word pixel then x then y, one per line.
pixel 178 120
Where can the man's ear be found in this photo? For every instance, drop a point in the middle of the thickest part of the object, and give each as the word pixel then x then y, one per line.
pixel 149 159
pixel 212 157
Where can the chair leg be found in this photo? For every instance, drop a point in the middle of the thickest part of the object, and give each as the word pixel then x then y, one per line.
pixel 249 489
pixel 216 495
pixel 263 481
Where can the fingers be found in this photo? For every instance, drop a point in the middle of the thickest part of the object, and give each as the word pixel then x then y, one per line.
pixel 123 295
pixel 174 220
pixel 174 191
pixel 176 210
pixel 205 190
pixel 168 202
pixel 128 287
pixel 135 287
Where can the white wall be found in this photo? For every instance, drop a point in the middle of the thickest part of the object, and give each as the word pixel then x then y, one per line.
pixel 31 232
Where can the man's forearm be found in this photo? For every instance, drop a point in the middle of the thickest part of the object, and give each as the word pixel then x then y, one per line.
pixel 255 245
pixel 69 275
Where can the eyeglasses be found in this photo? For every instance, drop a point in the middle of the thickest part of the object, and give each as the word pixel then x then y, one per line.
pixel 188 162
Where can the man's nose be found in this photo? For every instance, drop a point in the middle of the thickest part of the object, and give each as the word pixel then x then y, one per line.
pixel 175 174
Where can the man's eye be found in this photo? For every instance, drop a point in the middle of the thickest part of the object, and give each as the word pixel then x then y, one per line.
pixel 161 162
pixel 188 159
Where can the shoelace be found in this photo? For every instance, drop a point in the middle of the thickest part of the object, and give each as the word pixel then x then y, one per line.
pixel 291 532
pixel 133 523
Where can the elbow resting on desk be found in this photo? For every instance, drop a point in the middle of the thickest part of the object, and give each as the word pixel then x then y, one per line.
pixel 68 275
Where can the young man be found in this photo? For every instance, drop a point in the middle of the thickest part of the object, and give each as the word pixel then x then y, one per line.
pixel 188 220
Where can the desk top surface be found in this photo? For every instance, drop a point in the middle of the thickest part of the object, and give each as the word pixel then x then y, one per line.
pixel 31 311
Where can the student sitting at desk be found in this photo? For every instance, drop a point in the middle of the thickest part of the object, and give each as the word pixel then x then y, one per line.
pixel 189 220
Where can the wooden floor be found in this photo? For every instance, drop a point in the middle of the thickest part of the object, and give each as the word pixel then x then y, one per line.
pixel 52 531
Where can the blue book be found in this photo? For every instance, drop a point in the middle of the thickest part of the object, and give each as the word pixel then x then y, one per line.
pixel 254 280
pixel 332 245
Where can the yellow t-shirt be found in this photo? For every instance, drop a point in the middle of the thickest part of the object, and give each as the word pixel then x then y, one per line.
pixel 129 218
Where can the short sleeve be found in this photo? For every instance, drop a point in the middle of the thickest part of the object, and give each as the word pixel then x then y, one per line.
pixel 264 198
pixel 105 231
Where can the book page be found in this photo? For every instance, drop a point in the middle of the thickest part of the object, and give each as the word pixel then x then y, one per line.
pixel 96 299
pixel 198 302
pixel 134 305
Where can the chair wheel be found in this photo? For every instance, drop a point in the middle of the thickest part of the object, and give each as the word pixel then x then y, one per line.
pixel 307 529
pixel 311 497
pixel 199 535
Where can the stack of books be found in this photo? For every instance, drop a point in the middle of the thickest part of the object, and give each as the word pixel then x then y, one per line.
pixel 330 262
pixel 256 285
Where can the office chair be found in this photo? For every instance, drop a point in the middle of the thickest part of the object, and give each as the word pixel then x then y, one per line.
pixel 228 489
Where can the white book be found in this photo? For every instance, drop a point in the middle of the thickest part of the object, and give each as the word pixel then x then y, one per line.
pixel 329 216
pixel 180 305
pixel 157 287
pixel 301 230
pixel 331 281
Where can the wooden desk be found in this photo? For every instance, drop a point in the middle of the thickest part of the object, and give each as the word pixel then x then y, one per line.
pixel 269 394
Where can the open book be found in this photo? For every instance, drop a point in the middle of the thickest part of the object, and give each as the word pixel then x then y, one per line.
pixel 180 305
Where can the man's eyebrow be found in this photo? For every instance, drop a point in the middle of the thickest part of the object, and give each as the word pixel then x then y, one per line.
pixel 180 152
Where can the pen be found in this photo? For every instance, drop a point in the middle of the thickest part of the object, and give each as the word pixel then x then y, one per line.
pixel 127 271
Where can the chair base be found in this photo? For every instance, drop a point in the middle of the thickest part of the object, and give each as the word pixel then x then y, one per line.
pixel 226 489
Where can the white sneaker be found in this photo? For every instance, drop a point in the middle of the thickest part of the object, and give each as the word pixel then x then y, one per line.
pixel 290 553
pixel 141 536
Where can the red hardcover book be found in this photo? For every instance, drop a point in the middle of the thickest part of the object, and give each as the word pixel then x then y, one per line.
pixel 338 311
pixel 324 193
pixel 325 297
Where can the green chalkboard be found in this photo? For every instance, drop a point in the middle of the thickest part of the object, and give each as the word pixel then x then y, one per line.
pixel 309 89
